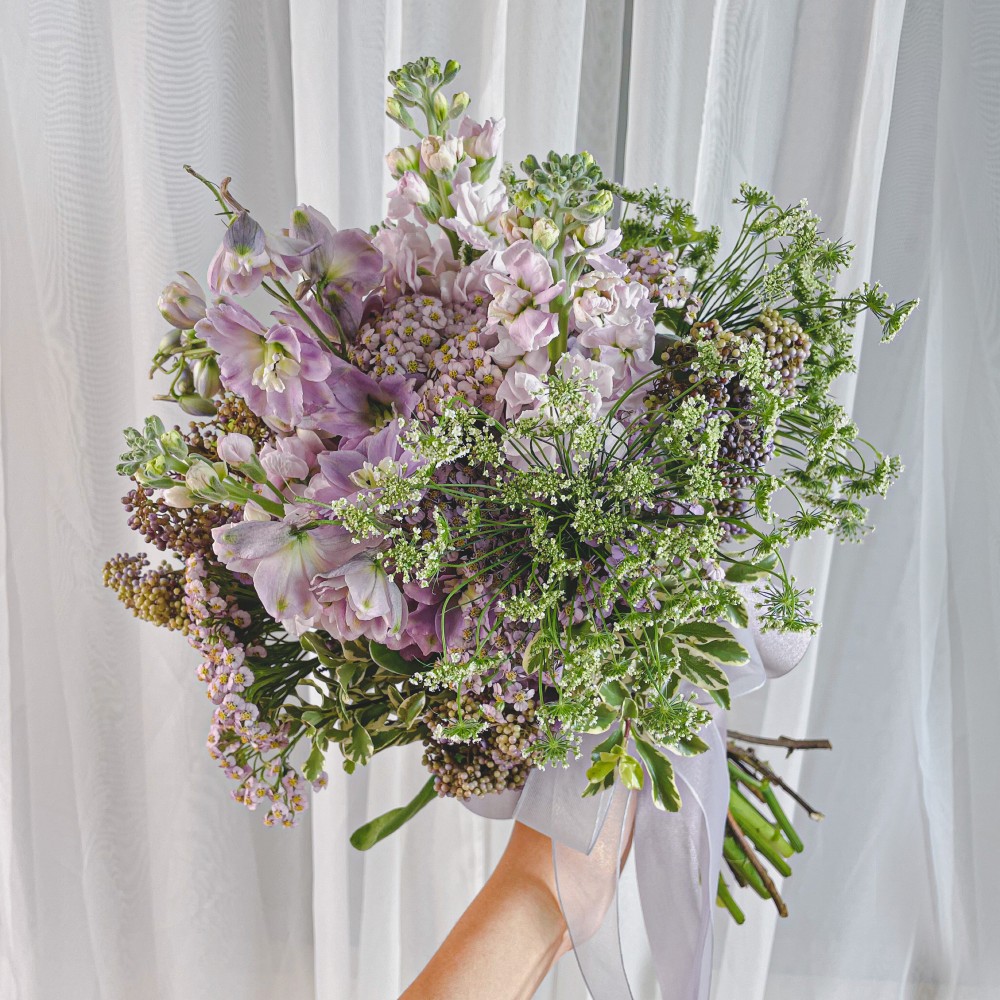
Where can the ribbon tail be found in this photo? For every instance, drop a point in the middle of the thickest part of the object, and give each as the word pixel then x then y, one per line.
pixel 678 859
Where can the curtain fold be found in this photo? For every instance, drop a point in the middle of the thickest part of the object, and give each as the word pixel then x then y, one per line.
pixel 124 870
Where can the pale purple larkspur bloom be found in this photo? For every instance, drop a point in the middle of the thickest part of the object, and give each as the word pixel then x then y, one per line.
pixel 182 303
pixel 345 261
pixel 361 598
pixel 349 471
pixel 283 558
pixel 248 255
pixel 280 372
pixel 359 405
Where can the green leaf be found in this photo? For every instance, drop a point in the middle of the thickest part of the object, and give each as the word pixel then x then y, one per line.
pixel 700 670
pixel 735 611
pixel 313 717
pixel 721 698
pixel 746 572
pixel 690 746
pixel 702 631
pixel 602 768
pixel 631 772
pixel 389 659
pixel 606 746
pixel 372 832
pixel 725 651
pixel 614 693
pixel 661 773
pixel 348 673
pixel 411 709
pixel 361 748
pixel 606 717
pixel 313 764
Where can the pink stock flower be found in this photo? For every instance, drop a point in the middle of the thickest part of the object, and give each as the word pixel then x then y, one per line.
pixel 410 192
pixel 532 329
pixel 414 263
pixel 482 142
pixel 280 372
pixel 527 282
pixel 283 557
pixel 478 208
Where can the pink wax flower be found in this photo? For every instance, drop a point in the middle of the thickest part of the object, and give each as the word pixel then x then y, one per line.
pixel 279 372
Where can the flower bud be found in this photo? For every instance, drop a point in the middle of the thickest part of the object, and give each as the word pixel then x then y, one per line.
pixel 206 377
pixel 395 110
pixel 196 405
pixel 598 206
pixel 439 104
pixel 459 103
pixel 440 155
pixel 544 233
pixel 184 385
pixel 593 233
pixel 234 449
pixel 170 342
pixel 202 478
pixel 401 159
pixel 178 496
pixel 182 303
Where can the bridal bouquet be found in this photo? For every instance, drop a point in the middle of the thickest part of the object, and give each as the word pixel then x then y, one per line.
pixel 494 474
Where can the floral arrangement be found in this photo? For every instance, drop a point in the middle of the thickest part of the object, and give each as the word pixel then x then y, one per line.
pixel 495 474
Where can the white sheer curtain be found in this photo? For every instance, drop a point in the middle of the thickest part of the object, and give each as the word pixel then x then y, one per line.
pixel 124 871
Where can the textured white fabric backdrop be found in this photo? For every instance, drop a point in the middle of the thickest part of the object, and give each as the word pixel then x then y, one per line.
pixel 124 870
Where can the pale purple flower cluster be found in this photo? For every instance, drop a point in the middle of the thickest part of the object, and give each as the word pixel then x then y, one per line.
pixel 216 621
pixel 659 272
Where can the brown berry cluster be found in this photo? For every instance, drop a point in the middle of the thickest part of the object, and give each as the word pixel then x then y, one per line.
pixel 786 346
pixel 497 760
pixel 232 417
pixel 153 594
pixel 186 531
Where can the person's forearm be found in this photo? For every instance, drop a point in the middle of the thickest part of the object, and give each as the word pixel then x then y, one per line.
pixel 510 935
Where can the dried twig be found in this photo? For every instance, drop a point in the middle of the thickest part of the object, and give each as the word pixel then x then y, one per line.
pixel 750 759
pixel 782 741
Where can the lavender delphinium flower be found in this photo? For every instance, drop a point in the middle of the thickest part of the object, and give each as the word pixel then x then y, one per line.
pixel 182 303
pixel 283 557
pixel 279 372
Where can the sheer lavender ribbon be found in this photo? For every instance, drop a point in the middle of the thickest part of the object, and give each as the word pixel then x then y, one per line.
pixel 677 855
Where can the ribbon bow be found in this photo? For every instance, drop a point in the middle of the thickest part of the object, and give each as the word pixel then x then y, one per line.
pixel 677 855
